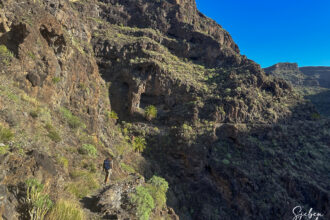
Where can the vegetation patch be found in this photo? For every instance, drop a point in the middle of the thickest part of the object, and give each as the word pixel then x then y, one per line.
pixel 12 96
pixel 56 80
pixel 72 120
pixel 30 100
pixel 139 144
pixel 226 161
pixel 90 166
pixel 52 133
pixel 84 183
pixel 66 210
pixel 112 115
pixel 5 54
pixel 6 134
pixel 88 149
pixel 150 112
pixel 4 149
pixel 157 187
pixel 188 134
pixel 37 201
pixel 143 202
pixel 63 161
pixel 149 197
pixel 183 71
pixel 127 168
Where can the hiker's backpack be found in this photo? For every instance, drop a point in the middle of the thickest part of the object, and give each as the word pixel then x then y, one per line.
pixel 107 164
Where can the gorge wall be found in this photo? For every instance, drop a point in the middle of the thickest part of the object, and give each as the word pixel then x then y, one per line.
pixel 231 141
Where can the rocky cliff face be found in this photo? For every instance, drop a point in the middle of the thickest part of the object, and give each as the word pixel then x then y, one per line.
pixel 321 73
pixel 320 98
pixel 51 96
pixel 232 142
pixel 45 52
pixel 167 62
pixel 311 82
pixel 291 73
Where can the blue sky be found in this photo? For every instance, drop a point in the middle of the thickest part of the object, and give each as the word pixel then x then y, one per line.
pixel 272 31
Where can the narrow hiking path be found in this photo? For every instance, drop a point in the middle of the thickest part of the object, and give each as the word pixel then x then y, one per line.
pixel 89 204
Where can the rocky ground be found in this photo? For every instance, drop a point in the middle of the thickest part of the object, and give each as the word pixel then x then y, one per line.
pixel 77 78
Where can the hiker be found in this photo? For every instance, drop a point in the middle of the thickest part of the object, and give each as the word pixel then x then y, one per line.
pixel 107 167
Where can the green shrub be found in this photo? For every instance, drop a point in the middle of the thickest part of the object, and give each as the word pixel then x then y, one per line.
pixel 226 161
pixel 315 116
pixel 112 115
pixel 63 161
pixel 37 201
pixel 5 54
pixel 66 210
pixel 54 136
pixel 52 133
pixel 143 202
pixel 6 134
pixel 187 128
pixel 73 121
pixel 56 80
pixel 88 149
pixel 139 144
pixel 228 91
pixel 157 187
pixel 150 112
pixel 187 133
pixel 4 149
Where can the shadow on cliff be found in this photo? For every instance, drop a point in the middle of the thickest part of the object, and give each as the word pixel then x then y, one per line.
pixel 261 173
pixel 13 38
pixel 322 102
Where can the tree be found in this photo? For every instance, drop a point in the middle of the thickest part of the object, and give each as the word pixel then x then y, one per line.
pixel 139 144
